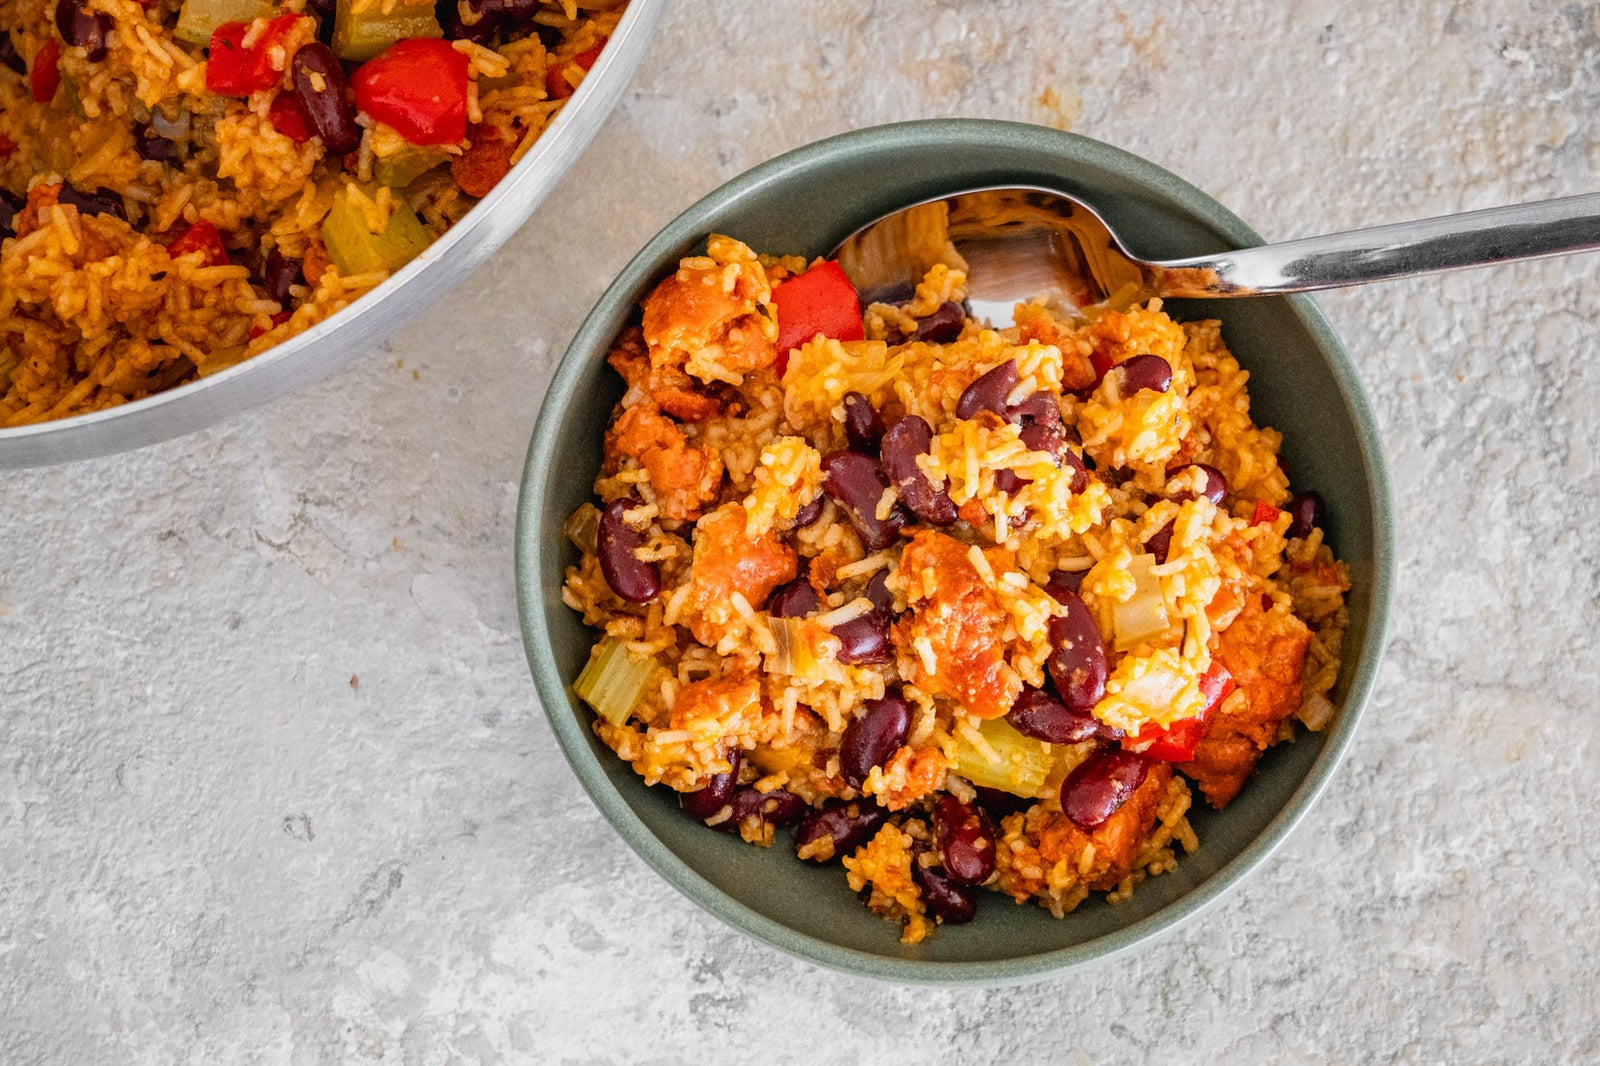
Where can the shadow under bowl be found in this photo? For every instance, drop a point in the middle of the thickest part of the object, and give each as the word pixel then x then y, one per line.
pixel 804 202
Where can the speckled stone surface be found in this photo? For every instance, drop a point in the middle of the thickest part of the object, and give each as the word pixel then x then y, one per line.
pixel 273 782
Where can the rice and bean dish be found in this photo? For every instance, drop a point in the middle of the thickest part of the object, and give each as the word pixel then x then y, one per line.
pixel 966 608
pixel 186 183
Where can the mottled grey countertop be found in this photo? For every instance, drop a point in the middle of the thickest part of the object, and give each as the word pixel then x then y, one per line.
pixel 274 785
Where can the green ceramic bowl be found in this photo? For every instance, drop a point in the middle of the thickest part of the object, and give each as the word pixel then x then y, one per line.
pixel 804 203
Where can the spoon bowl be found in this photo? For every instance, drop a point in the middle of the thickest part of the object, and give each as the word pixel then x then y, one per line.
pixel 1020 243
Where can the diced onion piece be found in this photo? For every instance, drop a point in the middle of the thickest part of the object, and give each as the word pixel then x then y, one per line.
pixel 582 527
pixel 1144 617
pixel 1316 712
pixel 795 655
pixel 615 680
pixel 173 129
pixel 1019 764
pixel 1156 689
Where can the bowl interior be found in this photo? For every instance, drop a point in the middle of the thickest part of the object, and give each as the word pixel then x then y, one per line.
pixel 804 203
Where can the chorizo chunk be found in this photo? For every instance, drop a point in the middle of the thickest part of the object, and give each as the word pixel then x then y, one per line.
pixel 1037 841
pixel 1265 651
pixel 951 642
pixel 727 561
pixel 685 479
pixel 1116 841
pixel 708 317
pixel 479 169
pixel 672 390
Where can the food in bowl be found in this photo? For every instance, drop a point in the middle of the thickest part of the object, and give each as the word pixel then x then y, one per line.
pixel 966 608
pixel 186 183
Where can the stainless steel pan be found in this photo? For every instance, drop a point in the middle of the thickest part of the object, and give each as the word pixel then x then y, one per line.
pixel 361 326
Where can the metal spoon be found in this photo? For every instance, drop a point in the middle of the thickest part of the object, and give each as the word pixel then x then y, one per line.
pixel 1020 243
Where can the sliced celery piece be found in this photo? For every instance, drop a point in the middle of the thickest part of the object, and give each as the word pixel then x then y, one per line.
pixel 582 527
pixel 355 249
pixel 363 34
pixel 200 18
pixel 1021 768
pixel 406 166
pixel 614 681
pixel 72 95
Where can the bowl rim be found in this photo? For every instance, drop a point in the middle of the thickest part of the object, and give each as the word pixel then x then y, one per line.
pixel 361 326
pixel 572 735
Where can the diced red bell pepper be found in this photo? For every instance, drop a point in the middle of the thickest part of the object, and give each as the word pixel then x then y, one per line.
pixel 822 300
pixel 1102 364
pixel 45 77
pixel 1265 514
pixel 418 87
pixel 201 237
pixel 7 146
pixel 556 84
pixel 1178 741
pixel 234 70
pixel 289 118
pixel 277 320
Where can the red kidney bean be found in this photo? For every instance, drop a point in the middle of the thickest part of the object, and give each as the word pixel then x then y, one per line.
pixel 10 57
pixel 80 28
pixel 797 599
pixel 99 202
pixel 856 484
pixel 1161 543
pixel 1043 436
pixel 849 825
pixel 1064 584
pixel 326 9
pixel 865 639
pixel 1038 409
pixel 1306 511
pixel 966 840
pixel 1216 486
pixel 1080 472
pixel 10 205
pixel 279 274
pixel 616 544
pixel 862 425
pixel 808 514
pixel 1101 784
pixel 1043 431
pixel 943 326
pixel 954 904
pixel 877 591
pixel 152 146
pixel 1145 372
pixel 715 794
pixel 1008 482
pixel 777 808
pixel 1078 663
pixel 481 30
pixel 873 737
pixel 989 392
pixel 329 110
pixel 911 437
pixel 1000 803
pixel 1040 715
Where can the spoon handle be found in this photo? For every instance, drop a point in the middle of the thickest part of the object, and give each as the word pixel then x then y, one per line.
pixel 1476 238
